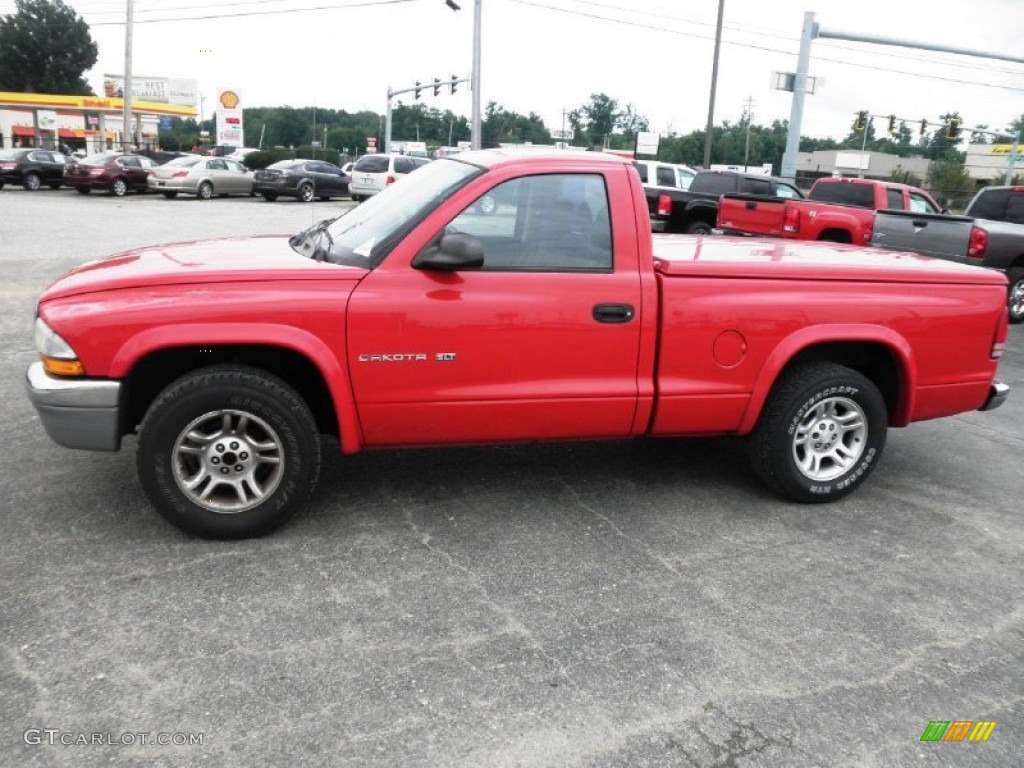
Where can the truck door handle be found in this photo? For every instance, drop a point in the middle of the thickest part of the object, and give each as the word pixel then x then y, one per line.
pixel 751 205
pixel 919 223
pixel 613 313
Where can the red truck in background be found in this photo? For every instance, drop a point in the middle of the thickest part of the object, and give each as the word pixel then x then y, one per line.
pixel 836 210
pixel 416 320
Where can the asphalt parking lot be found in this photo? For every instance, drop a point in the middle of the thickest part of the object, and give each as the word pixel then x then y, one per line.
pixel 600 605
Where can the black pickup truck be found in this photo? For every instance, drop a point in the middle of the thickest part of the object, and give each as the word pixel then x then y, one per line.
pixel 989 234
pixel 695 210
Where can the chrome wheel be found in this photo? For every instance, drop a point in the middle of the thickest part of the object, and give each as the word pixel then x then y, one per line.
pixel 1016 303
pixel 830 439
pixel 228 461
pixel 119 188
pixel 32 182
pixel 205 191
pixel 306 193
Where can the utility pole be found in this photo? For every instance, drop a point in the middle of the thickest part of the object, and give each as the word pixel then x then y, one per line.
pixel 714 86
pixel 126 129
pixel 746 145
pixel 863 145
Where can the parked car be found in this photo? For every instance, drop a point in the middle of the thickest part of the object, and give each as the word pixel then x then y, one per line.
pixel 989 234
pixel 32 168
pixel 837 210
pixel 204 177
pixel 241 153
pixel 666 175
pixel 412 321
pixel 372 173
pixel 695 210
pixel 111 171
pixel 302 179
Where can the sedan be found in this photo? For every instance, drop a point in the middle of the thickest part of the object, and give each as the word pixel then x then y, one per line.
pixel 114 172
pixel 204 177
pixel 32 168
pixel 303 179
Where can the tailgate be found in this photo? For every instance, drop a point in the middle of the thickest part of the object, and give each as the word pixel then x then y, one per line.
pixel 931 234
pixel 750 214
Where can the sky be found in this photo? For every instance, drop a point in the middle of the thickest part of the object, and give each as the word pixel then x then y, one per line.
pixel 549 56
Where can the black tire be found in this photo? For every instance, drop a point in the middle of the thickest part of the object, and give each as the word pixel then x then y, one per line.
pixel 357 198
pixel 1 185
pixel 838 452
pixel 32 182
pixel 83 190
pixel 260 410
pixel 205 191
pixel 55 185
pixel 325 198
pixel 835 236
pixel 698 228
pixel 305 192
pixel 269 196
pixel 1016 295
pixel 170 195
pixel 119 187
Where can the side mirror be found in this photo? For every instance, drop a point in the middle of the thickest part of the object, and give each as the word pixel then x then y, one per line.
pixel 455 251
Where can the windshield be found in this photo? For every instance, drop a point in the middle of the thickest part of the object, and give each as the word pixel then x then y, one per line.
pixel 364 236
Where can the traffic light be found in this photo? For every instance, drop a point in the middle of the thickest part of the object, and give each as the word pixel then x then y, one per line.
pixel 924 127
pixel 892 123
pixel 418 89
pixel 862 120
pixel 437 87
pixel 953 129
pixel 454 83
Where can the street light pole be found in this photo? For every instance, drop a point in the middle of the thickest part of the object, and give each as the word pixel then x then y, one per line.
pixel 126 129
pixel 476 135
pixel 714 86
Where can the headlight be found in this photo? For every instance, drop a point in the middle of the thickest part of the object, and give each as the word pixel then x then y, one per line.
pixel 57 355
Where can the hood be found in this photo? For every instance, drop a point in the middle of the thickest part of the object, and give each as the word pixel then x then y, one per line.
pixel 238 259
pixel 796 260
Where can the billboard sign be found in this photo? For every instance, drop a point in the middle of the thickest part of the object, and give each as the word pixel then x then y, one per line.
pixel 160 90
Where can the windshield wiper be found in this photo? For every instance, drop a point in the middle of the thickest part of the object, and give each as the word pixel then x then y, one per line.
pixel 308 242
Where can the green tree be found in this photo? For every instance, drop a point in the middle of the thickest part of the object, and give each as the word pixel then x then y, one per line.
pixel 500 126
pixel 45 47
pixel 596 120
pixel 949 181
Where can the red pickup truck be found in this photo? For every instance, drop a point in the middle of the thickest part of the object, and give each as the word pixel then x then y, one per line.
pixel 415 320
pixel 836 210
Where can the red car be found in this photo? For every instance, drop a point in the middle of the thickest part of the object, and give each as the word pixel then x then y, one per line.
pixel 114 172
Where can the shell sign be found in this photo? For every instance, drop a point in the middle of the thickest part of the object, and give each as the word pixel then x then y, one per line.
pixel 229 100
pixel 229 117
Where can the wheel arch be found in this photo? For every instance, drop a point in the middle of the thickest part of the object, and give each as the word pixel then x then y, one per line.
pixel 880 354
pixel 150 361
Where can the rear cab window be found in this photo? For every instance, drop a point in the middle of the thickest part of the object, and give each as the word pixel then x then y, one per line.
pixel 990 204
pixel 859 195
pixel 372 164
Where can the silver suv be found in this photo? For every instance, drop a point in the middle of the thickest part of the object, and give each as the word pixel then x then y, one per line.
pixel 372 173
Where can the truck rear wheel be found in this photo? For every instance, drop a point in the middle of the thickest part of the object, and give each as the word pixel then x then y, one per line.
pixel 1016 300
pixel 698 228
pixel 228 452
pixel 821 433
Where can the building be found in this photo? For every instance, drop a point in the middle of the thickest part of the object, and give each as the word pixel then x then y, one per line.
pixel 848 162
pixel 89 123
pixel 988 163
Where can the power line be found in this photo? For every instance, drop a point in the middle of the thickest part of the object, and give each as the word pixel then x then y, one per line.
pixel 762 47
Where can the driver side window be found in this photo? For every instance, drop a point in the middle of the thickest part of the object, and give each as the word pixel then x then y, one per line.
pixel 548 223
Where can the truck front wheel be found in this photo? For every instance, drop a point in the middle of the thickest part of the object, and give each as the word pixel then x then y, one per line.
pixel 1016 303
pixel 228 452
pixel 821 433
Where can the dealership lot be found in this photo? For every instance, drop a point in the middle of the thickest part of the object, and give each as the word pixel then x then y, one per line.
pixel 602 604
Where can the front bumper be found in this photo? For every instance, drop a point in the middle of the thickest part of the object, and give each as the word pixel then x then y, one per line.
pixel 76 413
pixel 996 396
